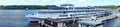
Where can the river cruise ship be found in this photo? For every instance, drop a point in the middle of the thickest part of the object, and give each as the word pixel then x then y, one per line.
pixel 70 17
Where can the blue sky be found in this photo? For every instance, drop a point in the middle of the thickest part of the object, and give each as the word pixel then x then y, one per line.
pixel 58 2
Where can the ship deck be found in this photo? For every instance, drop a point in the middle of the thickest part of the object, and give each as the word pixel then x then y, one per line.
pixel 57 15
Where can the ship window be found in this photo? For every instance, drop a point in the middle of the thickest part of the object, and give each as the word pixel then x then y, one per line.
pixel 63 15
pixel 83 25
pixel 52 23
pixel 51 12
pixel 78 14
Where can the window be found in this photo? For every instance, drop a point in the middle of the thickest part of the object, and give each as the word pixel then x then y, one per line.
pixel 83 25
pixel 78 14
pixel 52 23
pixel 47 26
pixel 63 15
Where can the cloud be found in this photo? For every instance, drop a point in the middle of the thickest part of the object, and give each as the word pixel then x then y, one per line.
pixel 58 2
pixel 33 0
pixel 81 0
pixel 117 0
pixel 61 1
pixel 7 2
pixel 45 0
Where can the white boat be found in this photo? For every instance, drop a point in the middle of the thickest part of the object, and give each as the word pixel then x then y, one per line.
pixel 83 15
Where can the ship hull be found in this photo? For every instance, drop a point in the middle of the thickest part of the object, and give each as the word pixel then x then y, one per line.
pixel 33 20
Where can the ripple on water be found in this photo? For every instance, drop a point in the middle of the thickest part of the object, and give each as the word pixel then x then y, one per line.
pixel 13 18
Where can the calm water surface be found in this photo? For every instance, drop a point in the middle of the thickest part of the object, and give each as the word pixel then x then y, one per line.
pixel 13 18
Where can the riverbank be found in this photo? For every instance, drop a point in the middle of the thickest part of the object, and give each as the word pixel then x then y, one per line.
pixel 109 6
pixel 21 7
pixel 37 7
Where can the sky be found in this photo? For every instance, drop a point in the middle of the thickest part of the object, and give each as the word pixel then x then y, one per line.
pixel 79 3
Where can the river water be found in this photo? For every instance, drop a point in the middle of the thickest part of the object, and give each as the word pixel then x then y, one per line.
pixel 16 18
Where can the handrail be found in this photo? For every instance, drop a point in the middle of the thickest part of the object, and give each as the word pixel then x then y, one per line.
pixel 98 19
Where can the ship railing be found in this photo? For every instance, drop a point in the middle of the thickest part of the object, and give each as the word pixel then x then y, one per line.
pixel 106 18
pixel 90 19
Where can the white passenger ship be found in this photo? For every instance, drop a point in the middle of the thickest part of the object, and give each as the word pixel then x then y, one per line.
pixel 70 16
